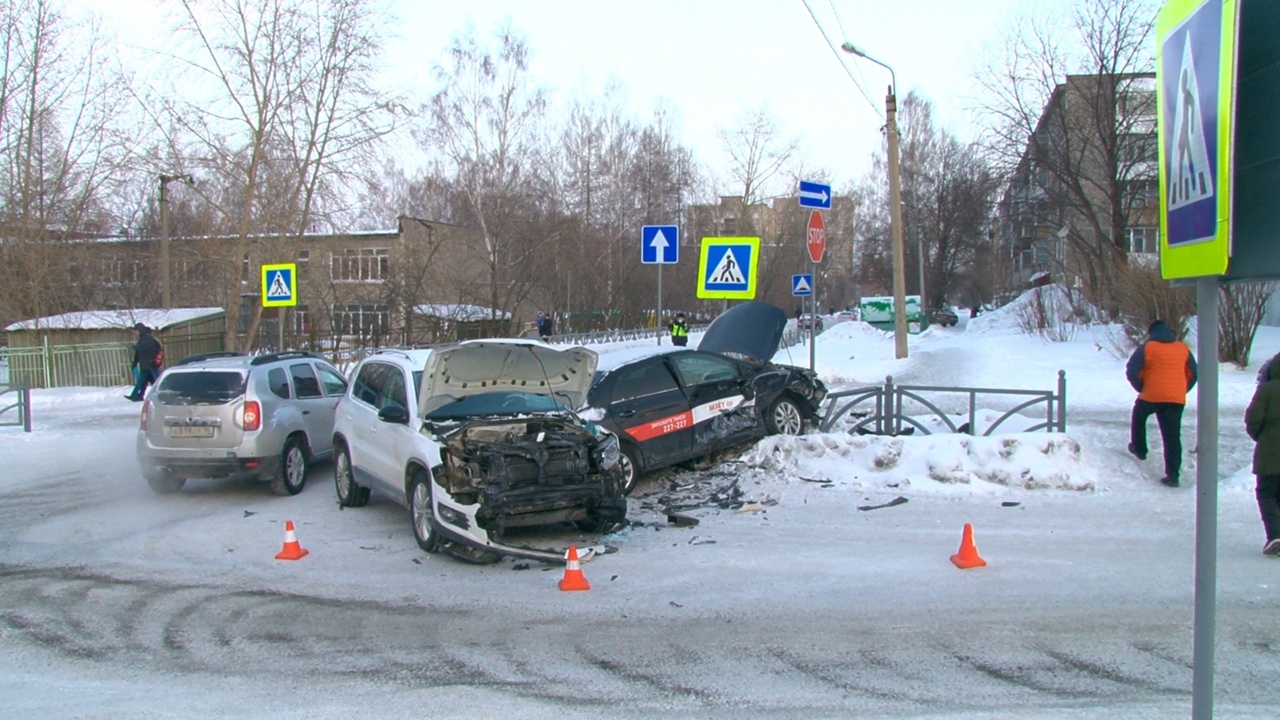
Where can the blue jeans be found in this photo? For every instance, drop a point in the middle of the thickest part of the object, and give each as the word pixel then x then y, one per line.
pixel 144 378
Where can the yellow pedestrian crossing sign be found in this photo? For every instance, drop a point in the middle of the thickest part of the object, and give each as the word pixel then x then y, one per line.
pixel 727 269
pixel 280 285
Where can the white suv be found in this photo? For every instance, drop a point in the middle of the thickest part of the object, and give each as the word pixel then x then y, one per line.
pixel 230 414
pixel 476 438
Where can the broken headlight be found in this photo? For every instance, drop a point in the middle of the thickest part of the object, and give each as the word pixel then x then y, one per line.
pixel 610 453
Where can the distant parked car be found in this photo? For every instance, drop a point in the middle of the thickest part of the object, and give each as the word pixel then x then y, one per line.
pixel 847 315
pixel 476 438
pixel 943 316
pixel 808 319
pixel 229 414
pixel 669 405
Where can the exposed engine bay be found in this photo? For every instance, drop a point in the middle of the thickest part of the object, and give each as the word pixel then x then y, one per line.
pixel 532 471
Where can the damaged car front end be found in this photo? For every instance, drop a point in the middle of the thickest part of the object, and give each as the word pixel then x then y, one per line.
pixel 512 453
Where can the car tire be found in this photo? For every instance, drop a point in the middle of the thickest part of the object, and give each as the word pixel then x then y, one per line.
pixel 630 469
pixel 421 516
pixel 784 417
pixel 165 484
pixel 292 475
pixel 350 494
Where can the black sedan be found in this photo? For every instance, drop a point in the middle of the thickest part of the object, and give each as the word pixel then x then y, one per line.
pixel 670 405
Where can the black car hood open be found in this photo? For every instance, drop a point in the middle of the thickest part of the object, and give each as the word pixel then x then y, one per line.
pixel 751 331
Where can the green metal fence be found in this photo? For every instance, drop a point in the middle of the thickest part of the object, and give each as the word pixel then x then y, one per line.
pixel 93 365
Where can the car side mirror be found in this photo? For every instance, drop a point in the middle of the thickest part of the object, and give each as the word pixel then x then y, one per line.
pixel 394 414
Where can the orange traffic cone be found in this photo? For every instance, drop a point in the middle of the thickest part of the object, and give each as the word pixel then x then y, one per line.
pixel 573 578
pixel 968 556
pixel 292 550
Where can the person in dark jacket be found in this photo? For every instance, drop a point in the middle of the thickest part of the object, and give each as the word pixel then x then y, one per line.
pixel 1262 422
pixel 1163 371
pixel 679 331
pixel 544 325
pixel 146 362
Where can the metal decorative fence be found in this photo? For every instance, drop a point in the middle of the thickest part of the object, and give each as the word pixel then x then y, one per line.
pixel 15 406
pixel 882 410
pixel 89 365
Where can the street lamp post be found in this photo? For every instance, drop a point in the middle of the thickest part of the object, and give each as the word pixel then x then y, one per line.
pixel 166 293
pixel 895 209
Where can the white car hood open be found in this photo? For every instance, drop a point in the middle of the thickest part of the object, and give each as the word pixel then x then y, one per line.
pixel 481 366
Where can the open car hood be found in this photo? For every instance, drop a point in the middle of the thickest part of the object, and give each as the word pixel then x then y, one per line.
pixel 751 331
pixel 481 366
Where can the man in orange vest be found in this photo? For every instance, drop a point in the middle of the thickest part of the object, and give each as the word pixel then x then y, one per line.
pixel 1163 371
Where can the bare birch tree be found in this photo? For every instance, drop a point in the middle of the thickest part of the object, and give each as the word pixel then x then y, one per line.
pixel 63 150
pixel 1069 114
pixel 484 121
pixel 758 153
pixel 278 115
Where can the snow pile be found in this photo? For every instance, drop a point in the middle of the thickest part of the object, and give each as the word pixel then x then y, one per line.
pixel 948 464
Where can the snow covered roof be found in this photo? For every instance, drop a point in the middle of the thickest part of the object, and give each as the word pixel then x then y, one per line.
pixel 116 319
pixel 460 312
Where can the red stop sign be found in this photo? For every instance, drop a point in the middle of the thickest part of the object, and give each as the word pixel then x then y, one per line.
pixel 817 236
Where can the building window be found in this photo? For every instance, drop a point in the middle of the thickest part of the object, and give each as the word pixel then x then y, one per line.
pixel 301 319
pixel 730 225
pixel 360 320
pixel 123 271
pixel 304 255
pixel 360 265
pixel 1143 239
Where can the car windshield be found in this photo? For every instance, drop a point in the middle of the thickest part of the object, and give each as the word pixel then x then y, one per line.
pixel 496 403
pixel 216 387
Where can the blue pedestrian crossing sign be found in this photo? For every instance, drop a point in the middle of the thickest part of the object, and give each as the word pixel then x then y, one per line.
pixel 1195 89
pixel 727 270
pixel 660 244
pixel 801 285
pixel 280 285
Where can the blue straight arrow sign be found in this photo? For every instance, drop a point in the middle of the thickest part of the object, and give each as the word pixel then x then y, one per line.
pixel 815 195
pixel 660 244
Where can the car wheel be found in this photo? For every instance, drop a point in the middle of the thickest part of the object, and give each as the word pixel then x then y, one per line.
pixel 420 514
pixel 350 494
pixel 292 475
pixel 629 470
pixel 165 484
pixel 784 418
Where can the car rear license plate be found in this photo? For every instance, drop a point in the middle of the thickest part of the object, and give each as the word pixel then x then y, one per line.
pixel 191 431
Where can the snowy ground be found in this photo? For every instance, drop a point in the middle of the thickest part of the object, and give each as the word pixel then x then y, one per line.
pixel 794 596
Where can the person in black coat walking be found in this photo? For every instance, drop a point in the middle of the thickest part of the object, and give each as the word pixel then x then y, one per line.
pixel 147 358
pixel 1262 422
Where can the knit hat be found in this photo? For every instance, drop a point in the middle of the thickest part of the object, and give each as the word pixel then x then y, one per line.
pixel 140 327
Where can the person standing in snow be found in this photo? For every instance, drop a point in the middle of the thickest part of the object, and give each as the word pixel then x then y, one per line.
pixel 544 326
pixel 1163 371
pixel 1262 422
pixel 679 331
pixel 147 358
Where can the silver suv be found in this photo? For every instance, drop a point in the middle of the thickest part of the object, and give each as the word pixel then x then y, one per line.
pixel 227 414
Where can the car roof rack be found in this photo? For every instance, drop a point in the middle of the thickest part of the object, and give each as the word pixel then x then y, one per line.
pixel 394 351
pixel 286 355
pixel 200 357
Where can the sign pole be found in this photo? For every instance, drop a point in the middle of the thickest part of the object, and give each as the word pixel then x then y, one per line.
pixel 813 312
pixel 658 320
pixel 1206 500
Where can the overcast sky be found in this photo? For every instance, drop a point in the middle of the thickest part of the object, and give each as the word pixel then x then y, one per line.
pixel 712 61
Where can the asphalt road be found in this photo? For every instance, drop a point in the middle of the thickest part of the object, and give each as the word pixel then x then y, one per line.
pixel 117 602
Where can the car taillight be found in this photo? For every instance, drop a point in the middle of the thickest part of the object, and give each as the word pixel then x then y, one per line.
pixel 142 421
pixel 252 415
